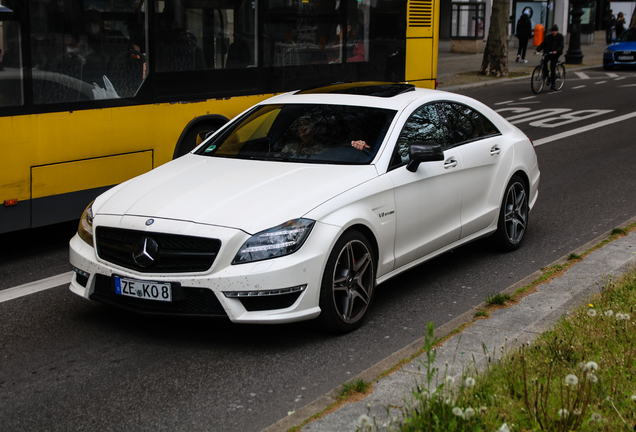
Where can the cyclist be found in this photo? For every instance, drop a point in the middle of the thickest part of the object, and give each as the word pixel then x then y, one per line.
pixel 552 47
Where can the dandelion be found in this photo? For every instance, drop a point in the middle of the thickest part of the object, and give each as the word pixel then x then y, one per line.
pixel 591 312
pixel 469 382
pixel 571 380
pixel 626 317
pixel 633 398
pixel 458 411
pixel 592 378
pixel 448 401
pixel 591 366
pixel 563 413
pixel 503 428
pixel 469 413
pixel 364 420
pixel 609 313
pixel 619 316
pixel 591 305
pixel 483 409
pixel 576 412
pixel 449 380
pixel 596 417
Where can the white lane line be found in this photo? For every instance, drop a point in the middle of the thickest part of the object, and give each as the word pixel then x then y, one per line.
pixel 525 103
pixel 628 85
pixel 37 286
pixel 504 103
pixel 527 97
pixel 600 82
pixel 611 74
pixel 577 87
pixel 620 78
pixel 582 75
pixel 583 129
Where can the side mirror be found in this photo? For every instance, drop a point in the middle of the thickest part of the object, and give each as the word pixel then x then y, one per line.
pixel 420 151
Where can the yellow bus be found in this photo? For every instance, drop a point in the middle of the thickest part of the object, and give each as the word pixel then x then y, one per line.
pixel 94 92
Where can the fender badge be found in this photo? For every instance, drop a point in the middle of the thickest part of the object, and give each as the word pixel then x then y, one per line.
pixel 150 222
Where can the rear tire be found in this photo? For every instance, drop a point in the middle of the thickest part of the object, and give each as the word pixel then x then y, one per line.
pixel 348 284
pixel 190 141
pixel 537 80
pixel 513 216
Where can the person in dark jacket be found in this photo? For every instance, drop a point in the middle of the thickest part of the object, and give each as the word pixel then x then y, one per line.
pixel 524 31
pixel 608 23
pixel 552 47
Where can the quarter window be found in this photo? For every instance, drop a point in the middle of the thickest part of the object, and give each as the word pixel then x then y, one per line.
pixel 464 124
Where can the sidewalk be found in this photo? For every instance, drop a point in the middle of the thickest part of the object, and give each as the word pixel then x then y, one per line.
pixel 524 321
pixel 456 71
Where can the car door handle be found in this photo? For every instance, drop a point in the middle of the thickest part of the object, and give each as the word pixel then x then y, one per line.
pixel 495 150
pixel 450 163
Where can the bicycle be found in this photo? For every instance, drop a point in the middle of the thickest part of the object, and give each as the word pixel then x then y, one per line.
pixel 538 80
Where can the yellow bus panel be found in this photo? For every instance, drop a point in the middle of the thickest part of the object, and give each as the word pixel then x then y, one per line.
pixel 88 174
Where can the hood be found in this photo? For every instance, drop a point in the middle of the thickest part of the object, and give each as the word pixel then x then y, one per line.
pixel 622 46
pixel 244 194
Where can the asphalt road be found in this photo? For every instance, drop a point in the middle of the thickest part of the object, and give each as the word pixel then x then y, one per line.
pixel 69 364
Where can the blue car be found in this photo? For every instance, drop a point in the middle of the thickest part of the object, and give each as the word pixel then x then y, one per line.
pixel 622 52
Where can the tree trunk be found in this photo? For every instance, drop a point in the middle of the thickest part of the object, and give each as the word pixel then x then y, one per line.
pixel 495 62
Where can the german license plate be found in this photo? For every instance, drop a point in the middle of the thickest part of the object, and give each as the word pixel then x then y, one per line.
pixel 143 289
pixel 626 58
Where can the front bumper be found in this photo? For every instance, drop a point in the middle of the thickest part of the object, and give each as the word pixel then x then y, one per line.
pixel 278 290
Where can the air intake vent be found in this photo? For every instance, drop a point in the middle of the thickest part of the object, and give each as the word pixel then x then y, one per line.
pixel 421 13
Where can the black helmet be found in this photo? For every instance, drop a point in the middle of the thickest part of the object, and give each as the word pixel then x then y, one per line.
pixel 555 28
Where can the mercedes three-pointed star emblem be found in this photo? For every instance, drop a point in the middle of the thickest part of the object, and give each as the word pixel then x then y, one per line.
pixel 145 252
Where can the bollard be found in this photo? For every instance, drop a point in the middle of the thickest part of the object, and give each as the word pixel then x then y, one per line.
pixel 539 33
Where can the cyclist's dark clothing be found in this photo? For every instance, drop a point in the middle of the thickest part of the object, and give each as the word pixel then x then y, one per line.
pixel 550 44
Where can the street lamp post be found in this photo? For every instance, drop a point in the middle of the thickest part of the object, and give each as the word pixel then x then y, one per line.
pixel 574 54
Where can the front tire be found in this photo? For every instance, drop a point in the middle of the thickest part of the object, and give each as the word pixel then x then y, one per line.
pixel 513 216
pixel 537 80
pixel 348 284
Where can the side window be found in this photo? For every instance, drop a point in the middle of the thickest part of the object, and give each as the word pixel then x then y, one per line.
pixel 423 125
pixel 83 53
pixel 199 35
pixel 464 123
pixel 11 71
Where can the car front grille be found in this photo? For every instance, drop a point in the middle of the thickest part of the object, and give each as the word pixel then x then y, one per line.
pixel 620 56
pixel 186 300
pixel 174 254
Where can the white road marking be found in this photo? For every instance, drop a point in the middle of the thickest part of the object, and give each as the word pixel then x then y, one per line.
pixel 611 74
pixel 527 97
pixel 600 82
pixel 504 103
pixel 583 129
pixel 628 85
pixel 620 78
pixel 582 75
pixel 37 286
pixel 577 87
pixel 525 103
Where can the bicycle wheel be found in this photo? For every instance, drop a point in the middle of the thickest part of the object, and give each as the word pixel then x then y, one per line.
pixel 560 76
pixel 537 80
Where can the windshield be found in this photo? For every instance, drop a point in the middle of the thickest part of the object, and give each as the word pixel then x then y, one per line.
pixel 304 133
pixel 628 36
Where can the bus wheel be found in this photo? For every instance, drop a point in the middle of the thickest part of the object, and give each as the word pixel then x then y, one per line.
pixel 193 138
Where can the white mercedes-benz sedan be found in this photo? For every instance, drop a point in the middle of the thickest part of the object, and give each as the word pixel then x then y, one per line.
pixel 299 207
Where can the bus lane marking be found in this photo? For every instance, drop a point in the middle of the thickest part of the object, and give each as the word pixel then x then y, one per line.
pixel 37 286
pixel 584 129
pixel 582 75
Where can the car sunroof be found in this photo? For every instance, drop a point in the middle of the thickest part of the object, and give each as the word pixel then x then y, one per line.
pixel 362 89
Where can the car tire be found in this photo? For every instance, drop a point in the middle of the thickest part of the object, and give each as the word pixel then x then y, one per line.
pixel 512 224
pixel 347 284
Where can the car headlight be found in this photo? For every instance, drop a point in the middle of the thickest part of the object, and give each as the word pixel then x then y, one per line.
pixel 275 242
pixel 608 51
pixel 85 229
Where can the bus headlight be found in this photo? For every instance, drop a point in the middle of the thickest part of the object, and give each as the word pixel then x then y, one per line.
pixel 85 229
pixel 275 242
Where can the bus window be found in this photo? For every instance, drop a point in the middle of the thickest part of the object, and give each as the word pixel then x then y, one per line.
pixel 307 33
pixel 194 35
pixel 11 72
pixel 85 54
